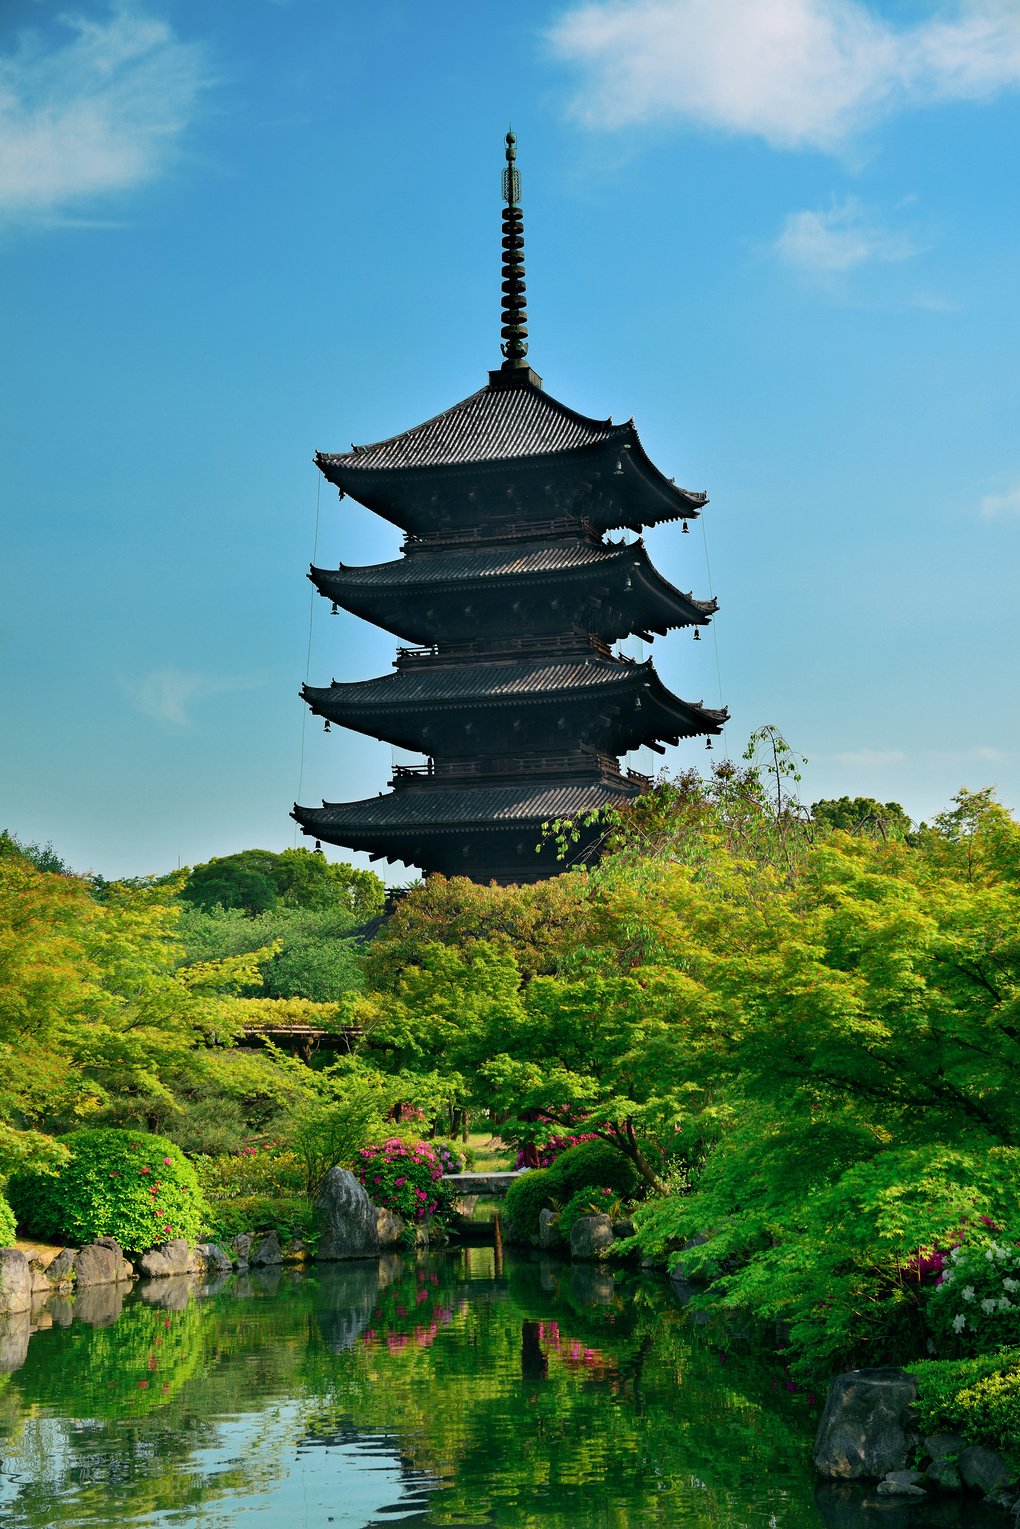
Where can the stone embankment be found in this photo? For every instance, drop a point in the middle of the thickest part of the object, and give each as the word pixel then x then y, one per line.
pixel 870 1450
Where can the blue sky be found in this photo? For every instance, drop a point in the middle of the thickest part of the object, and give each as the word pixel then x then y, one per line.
pixel 782 234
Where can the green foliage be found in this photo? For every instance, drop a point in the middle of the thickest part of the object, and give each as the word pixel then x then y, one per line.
pixel 976 1308
pixel 533 1192
pixel 346 1110
pixel 8 1225
pixel 137 1188
pixel 42 856
pixel 291 1215
pixel 862 815
pixel 594 1163
pixel 977 1398
pixel 590 1201
pixel 257 880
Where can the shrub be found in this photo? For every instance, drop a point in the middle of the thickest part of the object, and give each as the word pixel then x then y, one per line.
pixel 138 1188
pixel 587 1202
pixel 976 1305
pixel 402 1176
pixel 594 1164
pixel 978 1398
pixel 8 1229
pixel 290 1215
pixel 451 1159
pixel 534 1191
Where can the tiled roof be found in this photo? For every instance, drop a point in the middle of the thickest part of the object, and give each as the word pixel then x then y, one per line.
pixel 494 423
pixel 486 806
pixel 490 562
pixel 437 682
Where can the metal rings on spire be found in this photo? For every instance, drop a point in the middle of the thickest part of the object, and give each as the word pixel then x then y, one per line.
pixel 514 333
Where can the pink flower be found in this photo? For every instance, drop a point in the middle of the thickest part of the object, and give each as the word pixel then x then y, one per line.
pixel 169 1161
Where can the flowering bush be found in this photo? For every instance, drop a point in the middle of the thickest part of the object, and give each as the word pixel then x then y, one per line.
pixel 403 1176
pixel 138 1188
pixel 975 1306
pixel 260 1168
pixel 450 1159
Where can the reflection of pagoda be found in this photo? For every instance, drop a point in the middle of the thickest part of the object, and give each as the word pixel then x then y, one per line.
pixel 512 596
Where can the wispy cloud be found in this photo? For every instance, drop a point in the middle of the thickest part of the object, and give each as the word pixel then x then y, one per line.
pixel 99 110
pixel 838 239
pixel 798 73
pixel 1001 506
pixel 168 695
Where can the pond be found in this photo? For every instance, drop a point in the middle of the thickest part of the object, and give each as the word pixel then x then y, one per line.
pixel 449 1390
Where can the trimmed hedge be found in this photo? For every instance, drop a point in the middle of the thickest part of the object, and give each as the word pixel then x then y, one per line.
pixel 534 1191
pixel 138 1188
pixel 591 1164
pixel 978 1398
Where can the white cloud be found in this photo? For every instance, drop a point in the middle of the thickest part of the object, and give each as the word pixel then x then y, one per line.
pixel 837 240
pixel 167 695
pixel 870 759
pixel 1000 506
pixel 798 73
pixel 100 111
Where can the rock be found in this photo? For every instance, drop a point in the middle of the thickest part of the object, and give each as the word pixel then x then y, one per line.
pixel 943 1445
pixel 591 1236
pixel 985 1470
pixel 857 1505
pixel 901 1484
pixel 390 1227
pixel 167 1258
pixel 15 1331
pixel 265 1250
pixel 15 1282
pixel 624 1228
pixel 241 1247
pixel 346 1218
pixel 99 1263
pixel 216 1260
pixel 548 1236
pixel 943 1473
pixel 295 1250
pixel 867 1426
pixel 60 1270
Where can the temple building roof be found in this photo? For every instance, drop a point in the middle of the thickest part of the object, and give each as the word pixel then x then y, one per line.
pixel 424 596
pixel 479 807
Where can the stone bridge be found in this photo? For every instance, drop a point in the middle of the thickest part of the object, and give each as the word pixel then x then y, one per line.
pixel 482 1183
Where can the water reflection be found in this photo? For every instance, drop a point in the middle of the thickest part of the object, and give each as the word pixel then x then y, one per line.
pixel 456 1390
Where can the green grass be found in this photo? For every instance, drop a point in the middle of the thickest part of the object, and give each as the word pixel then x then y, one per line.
pixel 488 1153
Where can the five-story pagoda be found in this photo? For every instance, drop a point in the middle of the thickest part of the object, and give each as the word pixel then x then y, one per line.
pixel 511 595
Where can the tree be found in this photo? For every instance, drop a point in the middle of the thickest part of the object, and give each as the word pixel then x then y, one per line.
pixel 862 814
pixel 257 880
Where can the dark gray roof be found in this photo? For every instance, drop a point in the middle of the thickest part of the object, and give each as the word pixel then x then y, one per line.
pixel 432 682
pixel 448 567
pixel 479 806
pixel 494 423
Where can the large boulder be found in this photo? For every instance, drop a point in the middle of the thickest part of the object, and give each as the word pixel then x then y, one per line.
pixel 15 1282
pixel 867 1428
pixel 548 1236
pixel 215 1260
pixel 346 1218
pixel 591 1236
pixel 265 1249
pixel 101 1263
pixel 174 1257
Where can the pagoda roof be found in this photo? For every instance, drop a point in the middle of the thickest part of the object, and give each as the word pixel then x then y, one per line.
pixel 511 421
pixel 394 706
pixel 496 423
pixel 477 807
pixel 395 595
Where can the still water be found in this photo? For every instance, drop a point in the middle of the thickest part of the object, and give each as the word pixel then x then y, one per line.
pixel 441 1391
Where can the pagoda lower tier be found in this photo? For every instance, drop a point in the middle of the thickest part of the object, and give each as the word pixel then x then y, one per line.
pixel 487 829
pixel 440 594
pixel 485 710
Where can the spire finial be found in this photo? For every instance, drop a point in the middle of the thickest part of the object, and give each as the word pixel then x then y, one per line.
pixel 514 332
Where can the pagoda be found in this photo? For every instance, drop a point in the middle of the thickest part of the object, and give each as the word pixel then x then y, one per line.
pixel 510 598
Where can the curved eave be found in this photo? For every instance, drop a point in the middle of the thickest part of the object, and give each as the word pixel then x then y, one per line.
pixel 383 594
pixel 638 494
pixel 480 809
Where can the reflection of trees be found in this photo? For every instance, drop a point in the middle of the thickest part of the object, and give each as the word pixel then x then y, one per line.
pixel 521 1401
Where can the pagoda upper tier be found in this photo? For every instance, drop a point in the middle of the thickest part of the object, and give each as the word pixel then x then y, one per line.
pixel 526 588
pixel 445 476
